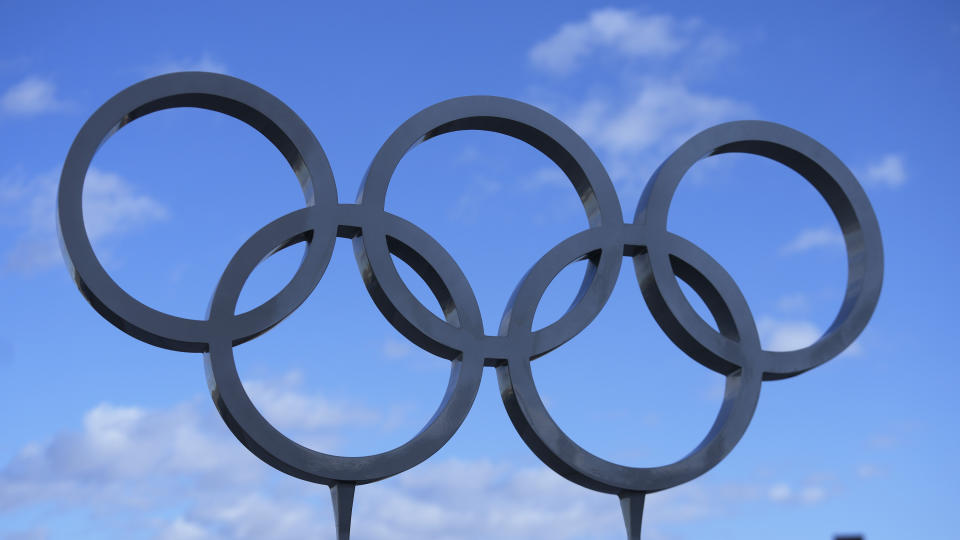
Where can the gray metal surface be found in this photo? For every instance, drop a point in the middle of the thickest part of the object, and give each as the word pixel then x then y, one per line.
pixel 659 258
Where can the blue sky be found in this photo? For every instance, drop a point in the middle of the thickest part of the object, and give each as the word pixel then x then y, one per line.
pixel 102 436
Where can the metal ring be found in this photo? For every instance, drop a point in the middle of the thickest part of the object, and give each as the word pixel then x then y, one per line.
pixel 835 183
pixel 227 95
pixel 273 447
pixel 559 451
pixel 659 259
pixel 500 115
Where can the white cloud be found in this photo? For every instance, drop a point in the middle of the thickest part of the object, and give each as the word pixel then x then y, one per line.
pixel 792 334
pixel 254 516
pixel 854 349
pixel 779 492
pixel 111 206
pixel 624 32
pixel 783 493
pixel 545 177
pixel 477 499
pixel 794 302
pixel 31 96
pixel 120 447
pixel 185 476
pixel 447 500
pixel 780 335
pixel 469 206
pixel 178 473
pixel 658 114
pixel 182 529
pixel 117 448
pixel 205 62
pixel 888 171
pixel 396 348
pixel 648 110
pixel 812 494
pixel 642 123
pixel 867 470
pixel 286 407
pixel 826 236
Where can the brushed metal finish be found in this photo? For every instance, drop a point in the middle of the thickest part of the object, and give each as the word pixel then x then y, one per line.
pixel 659 258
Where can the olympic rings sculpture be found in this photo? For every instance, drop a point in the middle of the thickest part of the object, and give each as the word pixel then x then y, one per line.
pixel 659 258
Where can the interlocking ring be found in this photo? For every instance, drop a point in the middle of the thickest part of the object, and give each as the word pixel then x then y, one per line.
pixel 659 257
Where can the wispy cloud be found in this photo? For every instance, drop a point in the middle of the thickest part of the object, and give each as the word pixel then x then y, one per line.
pixel 623 32
pixel 786 335
pixel 792 334
pixel 287 407
pixel 140 461
pixel 820 237
pixel 204 62
pixel 783 492
pixel 469 205
pixel 793 303
pixel 888 171
pixel 116 447
pixel 658 113
pixel 120 446
pixel 31 96
pixel 650 104
pixel 545 177
pixel 178 473
pixel 110 206
pixel 867 470
pixel 884 441
pixel 396 348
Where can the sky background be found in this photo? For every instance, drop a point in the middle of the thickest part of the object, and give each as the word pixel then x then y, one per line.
pixel 102 436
